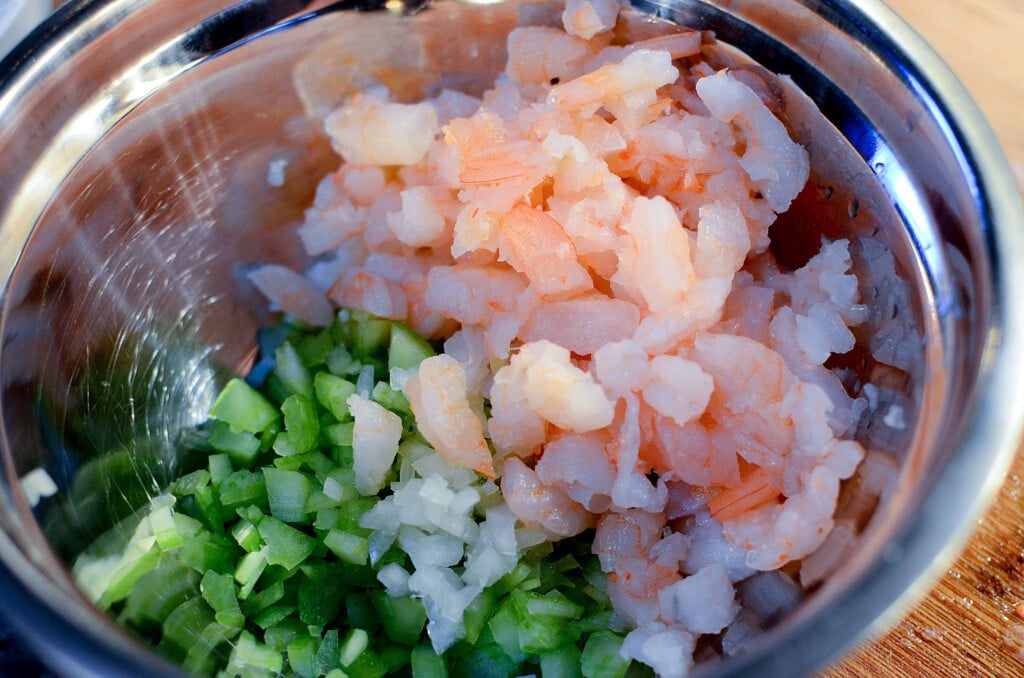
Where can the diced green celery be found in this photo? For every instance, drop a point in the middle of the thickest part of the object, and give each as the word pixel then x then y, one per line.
pixel 250 657
pixel 601 658
pixel 539 634
pixel 427 664
pixel 340 362
pixel 403 618
pixel 367 665
pixel 477 613
pixel 349 548
pixel 360 612
pixel 391 399
pixel 302 656
pixel 185 624
pixel 251 513
pixel 327 655
pixel 487 661
pixel 291 461
pixel 340 434
pixel 158 592
pixel 562 662
pixel 273 615
pixel 406 349
pixel 286 546
pixel 243 488
pixel 282 635
pixel 249 570
pixel 302 427
pixel 603 619
pixel 395 658
pixel 318 463
pixel 553 603
pixel 220 593
pixel 247 536
pixel 326 518
pixel 287 492
pixel 207 551
pixel 333 393
pixel 355 643
pixel 191 482
pixel 244 408
pixel 314 348
pixel 241 446
pixel 292 373
pixel 263 599
pixel 336 673
pixel 511 580
pixel 164 529
pixel 369 335
pixel 208 507
pixel 321 591
pixel 140 557
pixel 220 466
pixel 504 626
pixel 203 656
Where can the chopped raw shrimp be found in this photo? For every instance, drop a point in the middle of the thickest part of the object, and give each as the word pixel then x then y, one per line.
pixel 293 294
pixel 654 262
pixel 678 45
pixel 421 222
pixel 557 390
pixel 666 649
pixel 624 87
pixel 587 18
pixel 437 395
pixel 693 454
pixel 330 224
pixel 723 240
pixel 621 367
pixel 752 491
pixel 370 130
pixel 776 164
pixel 540 506
pixel 699 309
pixel 632 488
pixel 704 602
pixel 678 388
pixel 582 325
pixel 358 288
pixel 626 534
pixel 514 427
pixel 472 294
pixel 543 55
pixel 536 245
pixel 375 437
pixel 579 466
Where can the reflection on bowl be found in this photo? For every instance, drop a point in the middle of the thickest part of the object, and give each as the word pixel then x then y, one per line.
pixel 136 194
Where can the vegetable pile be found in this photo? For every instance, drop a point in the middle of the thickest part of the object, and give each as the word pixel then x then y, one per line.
pixel 292 550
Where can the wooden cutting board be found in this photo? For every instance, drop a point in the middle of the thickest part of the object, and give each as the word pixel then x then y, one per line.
pixel 968 625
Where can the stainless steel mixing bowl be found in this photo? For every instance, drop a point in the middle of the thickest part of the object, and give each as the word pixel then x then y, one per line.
pixel 135 139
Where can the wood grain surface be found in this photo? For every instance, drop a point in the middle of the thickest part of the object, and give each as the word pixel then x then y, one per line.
pixel 968 624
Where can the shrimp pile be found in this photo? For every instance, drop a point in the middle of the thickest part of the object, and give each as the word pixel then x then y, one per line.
pixel 590 240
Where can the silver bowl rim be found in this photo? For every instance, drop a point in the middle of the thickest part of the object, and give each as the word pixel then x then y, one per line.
pixel 910 562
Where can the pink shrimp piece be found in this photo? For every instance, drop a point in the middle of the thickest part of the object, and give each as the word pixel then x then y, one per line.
pixel 540 506
pixel 472 294
pixel 678 388
pixel 358 288
pixel 643 71
pixel 582 325
pixel 543 55
pixel 437 395
pixel 587 18
pixel 293 294
pixel 753 490
pixel 654 261
pixel 629 534
pixel 372 131
pixel 536 245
